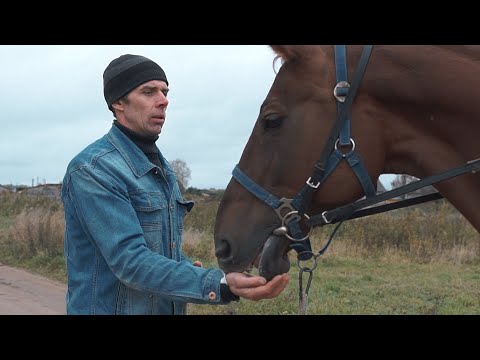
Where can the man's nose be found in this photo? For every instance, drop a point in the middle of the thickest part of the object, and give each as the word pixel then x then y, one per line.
pixel 162 100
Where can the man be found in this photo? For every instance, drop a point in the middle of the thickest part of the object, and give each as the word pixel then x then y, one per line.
pixel 124 213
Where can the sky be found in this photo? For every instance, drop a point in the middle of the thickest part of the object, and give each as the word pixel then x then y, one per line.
pixel 52 106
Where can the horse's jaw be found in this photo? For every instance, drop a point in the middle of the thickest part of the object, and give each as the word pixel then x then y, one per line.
pixel 274 258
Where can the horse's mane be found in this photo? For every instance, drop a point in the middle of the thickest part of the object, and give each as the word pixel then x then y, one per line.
pixel 289 53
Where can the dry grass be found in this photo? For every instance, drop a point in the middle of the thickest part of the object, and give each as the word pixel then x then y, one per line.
pixel 198 245
pixel 436 235
pixel 432 233
pixel 428 233
pixel 423 260
pixel 36 232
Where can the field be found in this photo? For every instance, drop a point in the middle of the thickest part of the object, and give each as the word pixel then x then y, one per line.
pixel 423 260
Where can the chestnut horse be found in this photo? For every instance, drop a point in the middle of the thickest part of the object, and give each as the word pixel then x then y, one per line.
pixel 411 110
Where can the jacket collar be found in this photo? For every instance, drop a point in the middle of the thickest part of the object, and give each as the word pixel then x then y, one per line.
pixel 134 157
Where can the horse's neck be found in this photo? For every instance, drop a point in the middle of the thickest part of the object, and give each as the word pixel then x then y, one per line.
pixel 428 95
pixel 430 78
pixel 471 51
pixel 431 116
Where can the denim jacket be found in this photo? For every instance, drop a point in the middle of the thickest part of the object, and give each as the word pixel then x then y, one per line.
pixel 123 236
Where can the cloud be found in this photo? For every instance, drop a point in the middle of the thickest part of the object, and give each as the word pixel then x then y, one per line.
pixel 53 106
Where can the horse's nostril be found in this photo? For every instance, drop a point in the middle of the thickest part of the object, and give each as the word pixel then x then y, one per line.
pixel 224 250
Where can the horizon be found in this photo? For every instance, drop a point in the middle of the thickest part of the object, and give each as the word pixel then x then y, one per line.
pixel 213 106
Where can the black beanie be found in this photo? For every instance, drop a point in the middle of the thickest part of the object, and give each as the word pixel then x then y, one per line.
pixel 127 72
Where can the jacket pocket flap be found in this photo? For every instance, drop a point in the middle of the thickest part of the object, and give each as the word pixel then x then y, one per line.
pixel 147 201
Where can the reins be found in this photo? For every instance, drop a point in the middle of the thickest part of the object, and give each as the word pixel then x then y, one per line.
pixel 361 208
pixel 352 211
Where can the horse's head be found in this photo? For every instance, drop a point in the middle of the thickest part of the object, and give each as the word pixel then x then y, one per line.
pixel 290 133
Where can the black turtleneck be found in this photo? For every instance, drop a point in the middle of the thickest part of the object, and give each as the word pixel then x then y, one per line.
pixel 144 142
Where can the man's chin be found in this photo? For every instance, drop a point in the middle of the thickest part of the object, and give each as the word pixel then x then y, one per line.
pixel 155 131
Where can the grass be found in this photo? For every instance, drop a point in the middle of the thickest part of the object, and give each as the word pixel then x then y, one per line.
pixel 5 222
pixel 342 286
pixel 389 264
pixel 52 267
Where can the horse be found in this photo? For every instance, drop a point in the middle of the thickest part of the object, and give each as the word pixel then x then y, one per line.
pixel 407 110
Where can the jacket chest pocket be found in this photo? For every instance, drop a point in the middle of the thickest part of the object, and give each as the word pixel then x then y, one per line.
pixel 152 213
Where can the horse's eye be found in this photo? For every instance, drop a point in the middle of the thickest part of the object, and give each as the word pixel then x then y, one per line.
pixel 272 121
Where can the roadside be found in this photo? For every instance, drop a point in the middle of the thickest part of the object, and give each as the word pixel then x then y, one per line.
pixel 24 293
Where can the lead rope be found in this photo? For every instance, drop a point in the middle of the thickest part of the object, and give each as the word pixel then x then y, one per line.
pixel 303 294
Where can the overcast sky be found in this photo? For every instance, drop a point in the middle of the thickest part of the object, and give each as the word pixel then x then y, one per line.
pixel 52 106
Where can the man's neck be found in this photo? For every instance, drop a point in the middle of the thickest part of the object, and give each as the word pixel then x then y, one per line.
pixel 145 143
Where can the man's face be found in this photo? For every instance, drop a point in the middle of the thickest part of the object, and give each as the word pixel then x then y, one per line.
pixel 144 109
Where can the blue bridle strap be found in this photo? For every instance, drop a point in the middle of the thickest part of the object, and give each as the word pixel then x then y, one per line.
pixel 353 158
pixel 255 189
pixel 302 248
pixel 298 203
pixel 342 75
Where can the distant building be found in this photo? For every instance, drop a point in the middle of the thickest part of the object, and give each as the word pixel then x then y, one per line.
pixel 4 190
pixel 48 190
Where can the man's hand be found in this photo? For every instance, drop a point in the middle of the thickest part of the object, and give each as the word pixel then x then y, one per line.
pixel 256 287
pixel 197 263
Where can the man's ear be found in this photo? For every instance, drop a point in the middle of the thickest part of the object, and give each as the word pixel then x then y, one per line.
pixel 117 105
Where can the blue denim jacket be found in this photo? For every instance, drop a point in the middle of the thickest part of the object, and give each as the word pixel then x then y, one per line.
pixel 123 237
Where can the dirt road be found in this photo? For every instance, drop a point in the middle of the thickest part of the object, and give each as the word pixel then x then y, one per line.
pixel 24 293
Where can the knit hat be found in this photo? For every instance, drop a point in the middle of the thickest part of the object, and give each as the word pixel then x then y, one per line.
pixel 125 73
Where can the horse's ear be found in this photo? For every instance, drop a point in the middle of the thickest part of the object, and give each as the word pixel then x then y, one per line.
pixel 290 52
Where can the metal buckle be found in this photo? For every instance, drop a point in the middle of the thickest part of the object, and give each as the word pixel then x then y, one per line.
pixel 325 220
pixel 309 183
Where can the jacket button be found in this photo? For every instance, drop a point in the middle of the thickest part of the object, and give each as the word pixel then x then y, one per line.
pixel 212 295
pixel 174 245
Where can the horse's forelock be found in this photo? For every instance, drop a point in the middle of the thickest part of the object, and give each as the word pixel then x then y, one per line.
pixel 291 52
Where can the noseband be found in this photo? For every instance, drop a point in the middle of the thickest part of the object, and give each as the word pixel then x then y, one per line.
pixel 292 211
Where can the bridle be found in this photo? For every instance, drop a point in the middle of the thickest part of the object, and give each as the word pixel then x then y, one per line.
pixel 292 211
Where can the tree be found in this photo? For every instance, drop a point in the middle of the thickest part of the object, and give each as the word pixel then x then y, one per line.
pixel 182 171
